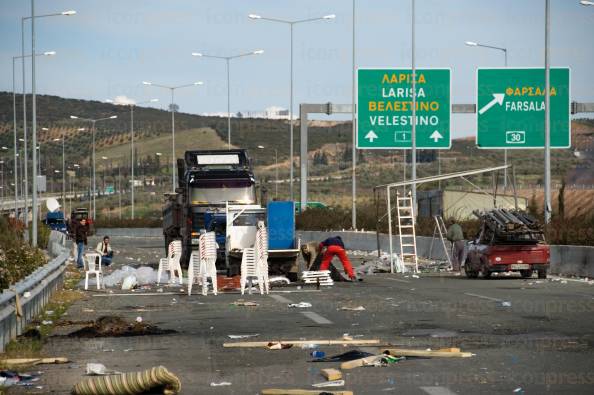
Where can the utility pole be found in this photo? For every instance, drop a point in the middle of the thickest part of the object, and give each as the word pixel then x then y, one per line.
pixel 547 161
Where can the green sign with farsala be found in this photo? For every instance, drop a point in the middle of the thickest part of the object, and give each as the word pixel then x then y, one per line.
pixel 511 108
pixel 384 108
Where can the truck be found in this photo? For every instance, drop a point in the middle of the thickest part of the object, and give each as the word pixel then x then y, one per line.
pixel 508 241
pixel 216 191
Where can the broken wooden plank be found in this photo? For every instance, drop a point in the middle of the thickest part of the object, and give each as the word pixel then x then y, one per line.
pixel 279 391
pixel 361 362
pixel 32 361
pixel 359 342
pixel 404 352
pixel 332 374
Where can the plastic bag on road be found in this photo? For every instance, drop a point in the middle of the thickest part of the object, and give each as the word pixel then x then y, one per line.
pixel 129 282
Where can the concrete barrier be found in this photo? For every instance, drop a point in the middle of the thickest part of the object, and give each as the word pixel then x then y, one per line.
pixel 565 260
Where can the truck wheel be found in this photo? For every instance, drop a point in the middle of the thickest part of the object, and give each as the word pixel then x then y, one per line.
pixel 542 274
pixel 527 273
pixel 470 273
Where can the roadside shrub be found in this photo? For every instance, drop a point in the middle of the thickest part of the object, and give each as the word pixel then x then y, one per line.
pixel 17 259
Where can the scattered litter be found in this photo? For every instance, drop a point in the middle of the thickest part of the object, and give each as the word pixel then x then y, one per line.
pixel 279 279
pixel 130 282
pixel 110 326
pixel 159 289
pixel 278 346
pixel 243 336
pixel 505 304
pixel 144 275
pixel 358 308
pixel 49 312
pixel 251 344
pixel 564 282
pixel 347 356
pixel 318 354
pixel 331 374
pixel 519 390
pixel 241 302
pixel 138 319
pixel 147 381
pixel 333 383
pixel 47 322
pixel 9 378
pixel 88 311
pixel 32 361
pixel 300 305
pixel 26 294
pixel 415 276
pixel 98 369
pixel 222 383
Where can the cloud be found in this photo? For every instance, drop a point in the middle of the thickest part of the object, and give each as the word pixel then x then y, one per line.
pixel 123 100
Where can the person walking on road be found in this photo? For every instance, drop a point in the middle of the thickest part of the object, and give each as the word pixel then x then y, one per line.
pixel 81 231
pixel 331 247
pixel 456 236
pixel 104 248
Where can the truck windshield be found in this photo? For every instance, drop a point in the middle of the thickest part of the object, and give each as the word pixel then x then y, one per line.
pixel 223 191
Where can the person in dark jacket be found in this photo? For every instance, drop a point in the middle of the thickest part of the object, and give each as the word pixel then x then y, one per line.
pixel 81 230
pixel 456 236
pixel 333 246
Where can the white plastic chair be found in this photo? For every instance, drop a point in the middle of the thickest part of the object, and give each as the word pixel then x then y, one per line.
pixel 203 264
pixel 172 262
pixel 92 262
pixel 261 251
pixel 250 270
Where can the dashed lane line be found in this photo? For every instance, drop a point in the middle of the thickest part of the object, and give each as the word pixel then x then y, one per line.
pixel 280 298
pixel 315 317
pixel 437 391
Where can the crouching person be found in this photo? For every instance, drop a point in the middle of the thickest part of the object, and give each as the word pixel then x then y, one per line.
pixel 104 248
pixel 331 247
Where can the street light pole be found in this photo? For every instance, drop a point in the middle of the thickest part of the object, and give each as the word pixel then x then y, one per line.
pixel 414 114
pixel 547 164
pixel 354 126
pixel 227 60
pixel 291 24
pixel 504 50
pixel 63 172
pixel 16 190
pixel 172 89
pixel 34 112
pixel 93 121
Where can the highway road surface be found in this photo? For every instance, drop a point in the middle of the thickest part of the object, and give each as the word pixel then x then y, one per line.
pixel 529 336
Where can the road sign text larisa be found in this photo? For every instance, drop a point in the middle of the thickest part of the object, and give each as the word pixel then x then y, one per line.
pixel 384 108
pixel 511 108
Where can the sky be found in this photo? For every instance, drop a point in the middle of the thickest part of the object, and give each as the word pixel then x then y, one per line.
pixel 110 46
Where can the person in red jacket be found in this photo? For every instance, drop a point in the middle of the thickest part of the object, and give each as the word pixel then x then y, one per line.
pixel 333 246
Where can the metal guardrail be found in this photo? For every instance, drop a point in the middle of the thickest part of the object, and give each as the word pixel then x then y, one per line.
pixel 41 285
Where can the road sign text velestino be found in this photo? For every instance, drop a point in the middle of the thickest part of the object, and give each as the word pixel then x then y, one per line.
pixel 384 108
pixel 511 108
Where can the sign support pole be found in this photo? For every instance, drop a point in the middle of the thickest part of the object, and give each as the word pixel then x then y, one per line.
pixel 414 115
pixel 547 159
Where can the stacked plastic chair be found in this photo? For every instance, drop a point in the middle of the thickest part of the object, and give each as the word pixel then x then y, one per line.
pixel 93 266
pixel 172 262
pixel 203 264
pixel 254 263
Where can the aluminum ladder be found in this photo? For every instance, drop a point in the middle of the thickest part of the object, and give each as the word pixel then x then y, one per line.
pixel 440 229
pixel 406 230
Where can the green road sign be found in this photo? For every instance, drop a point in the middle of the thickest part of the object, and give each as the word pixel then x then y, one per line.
pixel 511 108
pixel 384 108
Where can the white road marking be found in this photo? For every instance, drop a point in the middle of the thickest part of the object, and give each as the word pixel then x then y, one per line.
pixel 484 297
pixel 437 391
pixel 398 279
pixel 281 299
pixel 315 317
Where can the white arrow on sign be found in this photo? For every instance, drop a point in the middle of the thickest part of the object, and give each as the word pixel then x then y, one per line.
pixel 435 136
pixel 497 98
pixel 371 136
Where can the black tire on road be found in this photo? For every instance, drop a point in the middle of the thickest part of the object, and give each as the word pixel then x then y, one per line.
pixel 471 273
pixel 542 274
pixel 526 273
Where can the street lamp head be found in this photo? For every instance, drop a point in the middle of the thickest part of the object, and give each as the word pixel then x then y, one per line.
pixel 44 129
pixel 104 157
pixel 254 16
pixel 56 139
pixel 158 153
pixel 471 43
pixel 153 100
pixel 197 54
pixel 81 129
pixel 49 53
pixel 146 83
pixel 198 83
pixel 56 171
pixel 113 117
pixel 73 117
pixel 331 16
pixel 69 13
pixel 76 165
pixel 258 52
pixel 21 139
pixel 586 3
pixel 3 147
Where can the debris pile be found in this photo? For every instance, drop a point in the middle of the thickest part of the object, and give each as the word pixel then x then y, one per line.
pixel 110 326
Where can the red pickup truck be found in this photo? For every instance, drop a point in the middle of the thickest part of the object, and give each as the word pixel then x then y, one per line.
pixel 508 241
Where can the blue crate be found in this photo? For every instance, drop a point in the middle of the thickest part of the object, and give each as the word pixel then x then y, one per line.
pixel 281 225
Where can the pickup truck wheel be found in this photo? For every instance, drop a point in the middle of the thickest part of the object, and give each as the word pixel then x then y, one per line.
pixel 471 273
pixel 526 273
pixel 542 274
